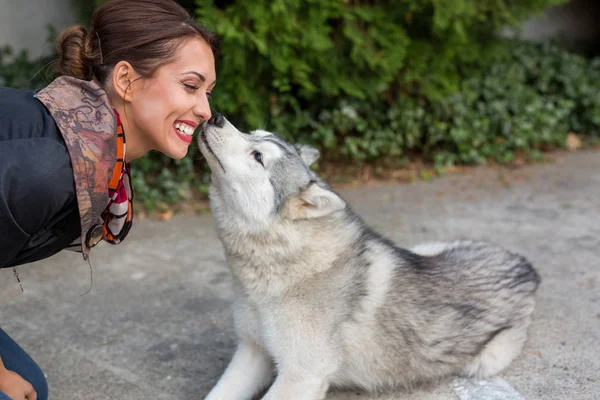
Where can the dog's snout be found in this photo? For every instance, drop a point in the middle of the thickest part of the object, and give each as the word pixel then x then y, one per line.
pixel 217 120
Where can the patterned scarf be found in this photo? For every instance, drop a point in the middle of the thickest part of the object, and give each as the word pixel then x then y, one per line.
pixel 118 215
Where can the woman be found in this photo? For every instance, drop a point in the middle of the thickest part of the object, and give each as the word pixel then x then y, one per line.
pixel 139 80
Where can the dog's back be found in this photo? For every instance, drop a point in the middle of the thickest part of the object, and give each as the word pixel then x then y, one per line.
pixel 438 309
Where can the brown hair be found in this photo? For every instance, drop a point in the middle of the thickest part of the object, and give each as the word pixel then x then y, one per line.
pixel 145 33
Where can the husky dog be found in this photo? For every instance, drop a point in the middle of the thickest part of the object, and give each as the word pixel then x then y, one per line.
pixel 322 301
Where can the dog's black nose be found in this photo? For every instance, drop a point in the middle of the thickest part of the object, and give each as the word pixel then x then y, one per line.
pixel 217 119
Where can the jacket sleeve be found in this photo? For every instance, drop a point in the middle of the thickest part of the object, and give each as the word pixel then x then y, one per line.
pixel 36 187
pixel 12 236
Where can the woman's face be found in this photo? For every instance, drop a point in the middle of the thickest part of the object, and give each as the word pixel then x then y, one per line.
pixel 164 110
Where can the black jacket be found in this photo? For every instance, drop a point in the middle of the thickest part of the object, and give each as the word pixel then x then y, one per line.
pixel 38 204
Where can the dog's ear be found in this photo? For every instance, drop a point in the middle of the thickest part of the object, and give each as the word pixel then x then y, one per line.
pixel 308 154
pixel 313 202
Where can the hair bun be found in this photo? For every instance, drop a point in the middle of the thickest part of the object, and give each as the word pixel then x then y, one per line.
pixel 73 53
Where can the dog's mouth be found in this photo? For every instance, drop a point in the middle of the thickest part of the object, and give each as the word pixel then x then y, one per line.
pixel 210 150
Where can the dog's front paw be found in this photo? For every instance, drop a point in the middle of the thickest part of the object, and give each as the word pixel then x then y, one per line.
pixel 297 389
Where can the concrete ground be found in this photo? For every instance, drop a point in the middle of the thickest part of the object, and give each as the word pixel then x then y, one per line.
pixel 156 323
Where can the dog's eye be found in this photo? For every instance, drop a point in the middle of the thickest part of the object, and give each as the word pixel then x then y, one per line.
pixel 258 157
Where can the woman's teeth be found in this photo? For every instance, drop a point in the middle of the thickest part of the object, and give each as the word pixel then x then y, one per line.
pixel 185 129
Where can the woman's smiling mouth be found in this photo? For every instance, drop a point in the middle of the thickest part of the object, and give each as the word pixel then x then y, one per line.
pixel 185 130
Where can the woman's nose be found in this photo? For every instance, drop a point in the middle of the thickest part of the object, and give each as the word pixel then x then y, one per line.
pixel 202 111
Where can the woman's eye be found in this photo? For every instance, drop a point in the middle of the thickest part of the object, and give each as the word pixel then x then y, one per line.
pixel 208 95
pixel 190 86
pixel 258 157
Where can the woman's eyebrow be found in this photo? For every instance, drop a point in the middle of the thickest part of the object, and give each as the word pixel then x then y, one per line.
pixel 199 75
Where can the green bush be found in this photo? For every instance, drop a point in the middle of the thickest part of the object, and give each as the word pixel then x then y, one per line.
pixel 529 98
pixel 283 57
pixel 18 70
pixel 366 80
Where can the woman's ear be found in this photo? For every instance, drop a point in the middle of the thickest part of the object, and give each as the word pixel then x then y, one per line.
pixel 122 77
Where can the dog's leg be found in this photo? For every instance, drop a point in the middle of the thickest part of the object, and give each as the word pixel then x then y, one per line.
pixel 304 356
pixel 298 385
pixel 249 372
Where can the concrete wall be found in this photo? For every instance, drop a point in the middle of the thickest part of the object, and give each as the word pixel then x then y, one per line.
pixel 23 23
pixel 578 20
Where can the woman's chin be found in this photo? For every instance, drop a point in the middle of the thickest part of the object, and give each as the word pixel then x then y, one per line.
pixel 176 151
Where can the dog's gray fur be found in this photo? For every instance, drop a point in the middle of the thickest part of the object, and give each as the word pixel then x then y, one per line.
pixel 321 300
